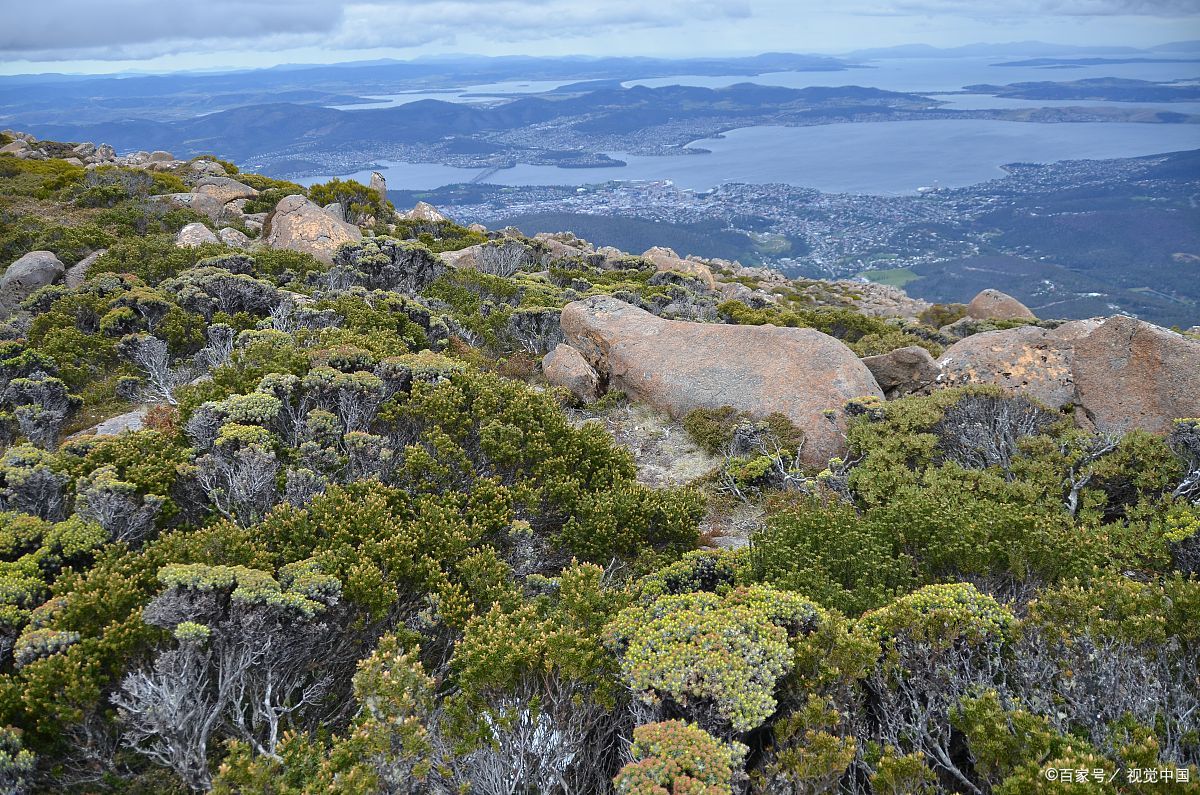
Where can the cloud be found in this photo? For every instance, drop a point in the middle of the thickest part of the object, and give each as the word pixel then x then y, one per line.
pixel 384 24
pixel 1029 9
pixel 80 24
pixel 61 30
pixel 134 29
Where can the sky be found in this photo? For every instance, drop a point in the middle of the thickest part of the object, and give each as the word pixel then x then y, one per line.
pixel 84 36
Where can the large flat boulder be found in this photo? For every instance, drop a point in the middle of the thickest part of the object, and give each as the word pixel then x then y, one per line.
pixel 27 275
pixel 224 189
pixel 1133 375
pixel 1029 360
pixel 301 225
pixel 678 366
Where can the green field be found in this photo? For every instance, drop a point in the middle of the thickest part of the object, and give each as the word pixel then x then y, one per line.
pixel 893 277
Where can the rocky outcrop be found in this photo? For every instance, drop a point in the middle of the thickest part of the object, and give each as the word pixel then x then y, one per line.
pixel 300 225
pixel 77 273
pixel 882 300
pixel 679 366
pixel 1133 375
pixel 994 305
pixel 27 275
pixel 565 367
pixel 194 235
pixel 379 185
pixel 904 371
pixel 1033 361
pixel 666 260
pixel 16 148
pixel 565 246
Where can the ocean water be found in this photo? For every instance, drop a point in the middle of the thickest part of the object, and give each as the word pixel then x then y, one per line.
pixel 882 158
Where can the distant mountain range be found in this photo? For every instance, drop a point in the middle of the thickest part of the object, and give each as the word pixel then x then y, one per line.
pixel 1014 49
pixel 585 118
pixel 82 99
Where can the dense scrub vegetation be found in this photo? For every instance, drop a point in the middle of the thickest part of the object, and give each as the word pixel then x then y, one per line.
pixel 358 548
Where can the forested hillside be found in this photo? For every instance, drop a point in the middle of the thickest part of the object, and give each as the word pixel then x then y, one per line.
pixel 301 494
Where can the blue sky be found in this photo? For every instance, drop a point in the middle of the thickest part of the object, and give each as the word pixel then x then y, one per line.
pixel 163 35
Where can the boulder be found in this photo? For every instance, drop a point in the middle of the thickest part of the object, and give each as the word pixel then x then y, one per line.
pixel 461 259
pixel 379 185
pixel 1033 361
pixel 480 228
pixel 17 147
pixel 904 371
pixel 560 249
pixel 565 367
pixel 132 421
pixel 85 149
pixel 77 273
pixel 27 275
pixel 666 260
pixel 209 206
pixel 208 168
pixel 224 189
pixel 300 225
pixel 424 211
pixel 196 234
pixel 233 237
pixel 678 366
pixel 159 156
pixel 881 300
pixel 336 210
pixel 735 291
pixel 994 305
pixel 104 153
pixel 1133 375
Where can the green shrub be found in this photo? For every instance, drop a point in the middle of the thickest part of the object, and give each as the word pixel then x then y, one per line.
pixel 358 201
pixel 678 757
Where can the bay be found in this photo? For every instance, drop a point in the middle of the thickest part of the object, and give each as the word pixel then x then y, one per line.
pixel 880 158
